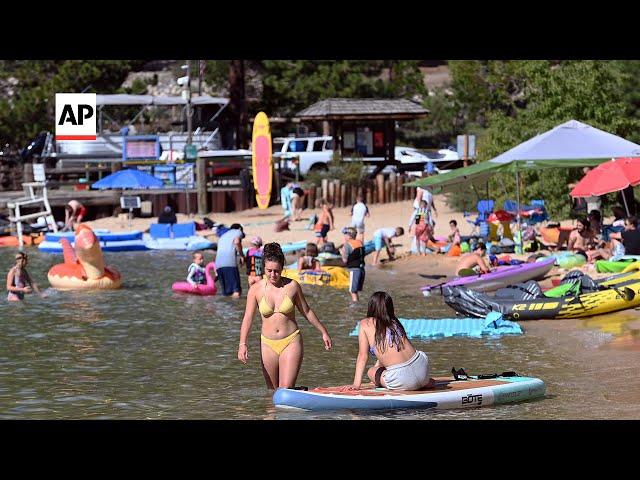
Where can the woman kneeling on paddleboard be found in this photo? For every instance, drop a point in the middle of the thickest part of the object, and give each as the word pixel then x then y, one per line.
pixel 399 366
pixel 281 348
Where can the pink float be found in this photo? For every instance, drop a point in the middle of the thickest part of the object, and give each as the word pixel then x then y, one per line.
pixel 208 289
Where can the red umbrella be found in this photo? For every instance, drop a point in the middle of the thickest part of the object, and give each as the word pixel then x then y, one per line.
pixel 612 176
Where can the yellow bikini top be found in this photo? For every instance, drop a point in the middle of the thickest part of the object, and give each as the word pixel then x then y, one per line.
pixel 265 309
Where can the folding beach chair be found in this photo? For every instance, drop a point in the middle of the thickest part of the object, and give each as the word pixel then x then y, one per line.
pixel 485 208
pixel 510 206
pixel 538 217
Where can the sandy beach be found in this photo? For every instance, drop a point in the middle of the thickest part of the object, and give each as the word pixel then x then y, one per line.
pixel 261 223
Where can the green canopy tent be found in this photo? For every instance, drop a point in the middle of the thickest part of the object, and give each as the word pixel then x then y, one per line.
pixel 571 144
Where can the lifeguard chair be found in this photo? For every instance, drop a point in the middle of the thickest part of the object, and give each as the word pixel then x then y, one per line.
pixel 35 195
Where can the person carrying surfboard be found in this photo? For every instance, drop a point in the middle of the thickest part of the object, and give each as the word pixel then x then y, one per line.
pixel 277 298
pixel 399 366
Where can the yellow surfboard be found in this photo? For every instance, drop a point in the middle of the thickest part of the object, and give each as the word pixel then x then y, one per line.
pixel 261 159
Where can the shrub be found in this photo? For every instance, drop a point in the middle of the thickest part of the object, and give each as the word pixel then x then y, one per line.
pixel 349 173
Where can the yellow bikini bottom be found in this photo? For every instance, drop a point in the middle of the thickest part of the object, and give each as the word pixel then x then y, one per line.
pixel 280 344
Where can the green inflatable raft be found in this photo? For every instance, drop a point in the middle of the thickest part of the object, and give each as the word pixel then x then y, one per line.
pixel 616 266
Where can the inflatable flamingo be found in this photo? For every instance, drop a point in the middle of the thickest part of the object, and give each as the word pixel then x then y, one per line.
pixel 208 289
pixel 83 267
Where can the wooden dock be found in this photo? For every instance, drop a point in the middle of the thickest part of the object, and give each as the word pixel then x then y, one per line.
pixel 104 203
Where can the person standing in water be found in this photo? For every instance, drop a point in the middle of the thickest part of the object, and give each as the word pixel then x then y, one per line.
pixel 353 256
pixel 281 342
pixel 254 261
pixel 19 281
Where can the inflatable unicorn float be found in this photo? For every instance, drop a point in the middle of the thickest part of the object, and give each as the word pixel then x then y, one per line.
pixel 83 267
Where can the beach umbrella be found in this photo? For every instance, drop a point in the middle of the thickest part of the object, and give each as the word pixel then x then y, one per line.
pixel 612 176
pixel 570 144
pixel 128 178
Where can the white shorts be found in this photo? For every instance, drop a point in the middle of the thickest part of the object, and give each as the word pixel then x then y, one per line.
pixel 359 226
pixel 410 375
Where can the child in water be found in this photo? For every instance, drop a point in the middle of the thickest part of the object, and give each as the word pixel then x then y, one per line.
pixel 254 261
pixel 19 281
pixel 196 273
pixel 309 260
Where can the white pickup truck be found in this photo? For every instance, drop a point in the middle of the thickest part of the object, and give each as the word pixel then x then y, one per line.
pixel 315 152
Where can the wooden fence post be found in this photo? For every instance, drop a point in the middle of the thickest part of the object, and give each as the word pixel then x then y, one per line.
pixel 343 195
pixel 311 198
pixel 325 188
pixel 380 185
pixel 392 187
pixel 368 194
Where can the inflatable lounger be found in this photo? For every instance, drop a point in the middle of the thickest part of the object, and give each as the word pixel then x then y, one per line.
pixel 102 234
pixel 493 325
pixel 567 259
pixel 109 241
pixel 448 393
pixel 106 246
pixel 286 247
pixel 194 242
pixel 328 276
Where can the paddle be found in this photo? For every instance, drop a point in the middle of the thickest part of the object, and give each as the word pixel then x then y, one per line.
pixel 626 293
pixel 461 375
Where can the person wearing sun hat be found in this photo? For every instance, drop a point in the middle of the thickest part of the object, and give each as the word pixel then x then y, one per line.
pixel 254 261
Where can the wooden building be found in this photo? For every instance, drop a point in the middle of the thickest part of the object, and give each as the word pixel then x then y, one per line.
pixel 364 127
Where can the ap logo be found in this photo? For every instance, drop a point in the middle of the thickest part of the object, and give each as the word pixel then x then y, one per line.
pixel 75 116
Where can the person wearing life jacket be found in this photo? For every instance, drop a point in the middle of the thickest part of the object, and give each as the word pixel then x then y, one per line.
pixel 254 261
pixel 353 256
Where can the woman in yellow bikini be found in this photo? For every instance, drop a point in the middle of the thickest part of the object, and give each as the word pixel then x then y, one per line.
pixel 281 342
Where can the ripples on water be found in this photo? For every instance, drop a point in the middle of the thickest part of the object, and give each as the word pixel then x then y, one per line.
pixel 145 352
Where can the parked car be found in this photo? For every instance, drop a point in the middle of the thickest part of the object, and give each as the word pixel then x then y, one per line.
pixel 314 152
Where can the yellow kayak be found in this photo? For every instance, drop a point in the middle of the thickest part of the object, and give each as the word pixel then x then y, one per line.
pixel 328 276
pixel 583 297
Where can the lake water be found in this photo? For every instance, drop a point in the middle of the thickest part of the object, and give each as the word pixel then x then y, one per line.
pixel 143 352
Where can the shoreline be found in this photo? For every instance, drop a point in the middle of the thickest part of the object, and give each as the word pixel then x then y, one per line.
pixel 257 222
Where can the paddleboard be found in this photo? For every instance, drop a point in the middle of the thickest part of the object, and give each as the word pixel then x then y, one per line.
pixel 261 159
pixel 447 394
